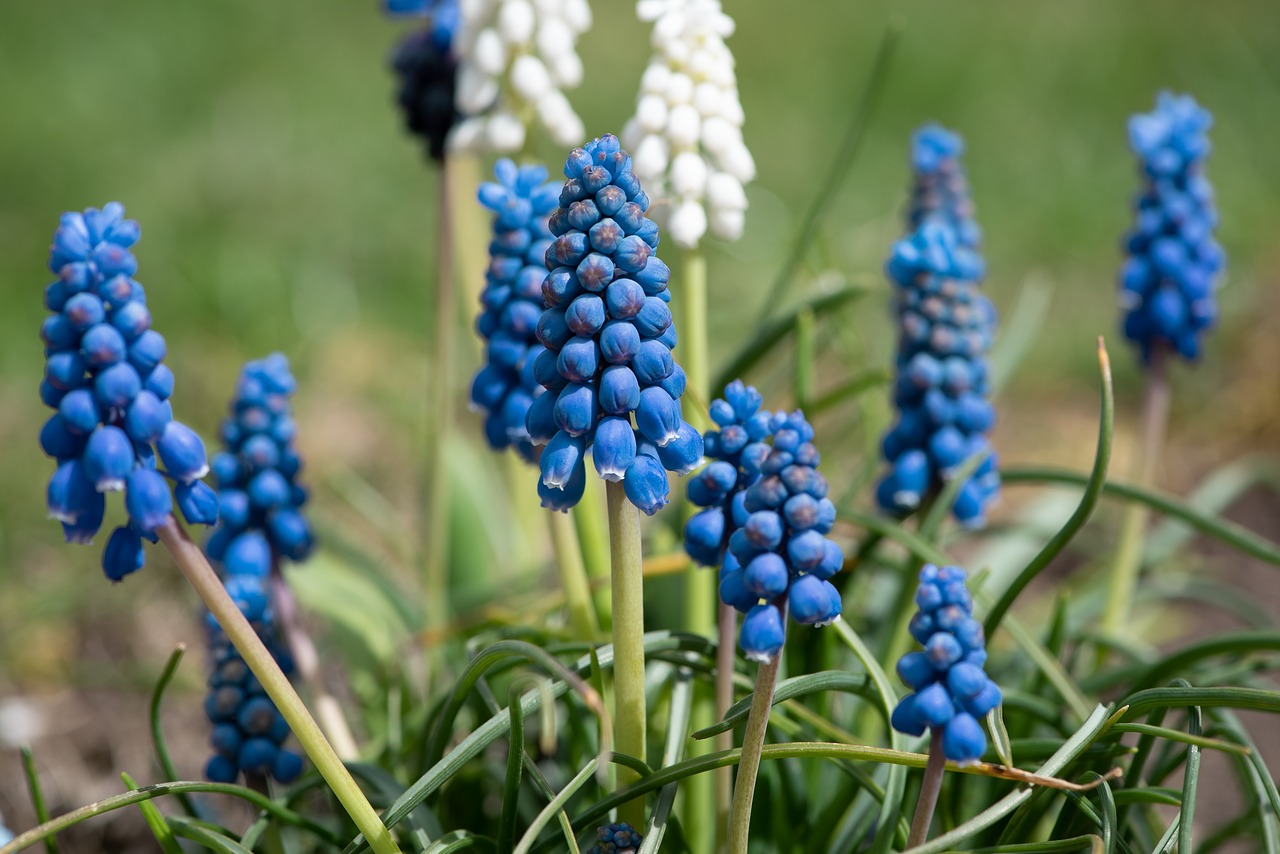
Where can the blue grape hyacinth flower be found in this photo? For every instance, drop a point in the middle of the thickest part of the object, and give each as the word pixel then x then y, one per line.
pixel 614 387
pixel 620 838
pixel 945 329
pixel 949 688
pixel 248 730
pixel 940 187
pixel 511 303
pixel 426 69
pixel 1169 279
pixel 259 498
pixel 113 427
pixel 765 520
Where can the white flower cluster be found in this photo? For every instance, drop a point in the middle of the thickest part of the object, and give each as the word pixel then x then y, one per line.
pixel 515 58
pixel 686 135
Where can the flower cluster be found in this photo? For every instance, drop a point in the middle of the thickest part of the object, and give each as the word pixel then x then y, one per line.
pixel 687 129
pixel 515 58
pixel 259 499
pixel 426 68
pixel 504 388
pixel 105 378
pixel 248 730
pixel 945 327
pixel 940 187
pixel 1168 281
pixel 608 336
pixel 949 687
pixel 620 838
pixel 767 504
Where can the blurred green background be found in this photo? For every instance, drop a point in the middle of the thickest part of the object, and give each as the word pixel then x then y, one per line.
pixel 283 208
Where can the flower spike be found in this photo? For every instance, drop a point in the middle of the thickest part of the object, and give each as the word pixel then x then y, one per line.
pixel 687 129
pixel 113 427
pixel 1169 280
pixel 607 333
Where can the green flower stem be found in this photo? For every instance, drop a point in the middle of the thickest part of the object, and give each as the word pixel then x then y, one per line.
pixel 593 537
pixel 930 787
pixel 700 596
pixel 307 662
pixel 1155 417
pixel 744 789
pixel 628 642
pixel 192 562
pixel 435 528
pixel 573 576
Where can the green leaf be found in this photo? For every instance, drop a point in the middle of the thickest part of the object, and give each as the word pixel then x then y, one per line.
pixel 37 796
pixel 207 836
pixel 790 689
pixel 848 390
pixel 1185 738
pixel 157 730
pixel 1076 843
pixel 515 767
pixel 1236 536
pixel 1000 736
pixel 891 530
pixel 1190 779
pixel 555 806
pixel 1256 699
pixel 159 828
pixel 1088 501
pixel 459 840
pixel 1142 675
pixel 672 752
pixel 772 333
pixel 935 511
pixel 1020 329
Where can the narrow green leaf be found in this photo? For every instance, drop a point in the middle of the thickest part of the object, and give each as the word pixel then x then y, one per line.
pixel 772 333
pixel 1088 501
pixel 515 765
pixel 157 730
pixel 1185 738
pixel 207 836
pixel 1229 532
pixel 848 390
pixel 37 796
pixel 1169 838
pixel 891 530
pixel 805 357
pixel 1256 699
pixel 159 828
pixel 1190 779
pixel 459 840
pixel 672 752
pixel 1020 329
pixel 1088 842
pixel 556 805
pixel 936 511
pixel 789 689
pixel 1000 736
pixel 1143 674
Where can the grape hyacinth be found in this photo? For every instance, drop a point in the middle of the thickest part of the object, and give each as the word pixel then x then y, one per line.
pixel 620 838
pixel 945 327
pixel 766 517
pixel 505 387
pixel 105 377
pixel 248 730
pixel 949 687
pixel 608 335
pixel 259 498
pixel 1169 279
pixel 687 129
pixel 515 59
pixel 426 69
pixel 940 186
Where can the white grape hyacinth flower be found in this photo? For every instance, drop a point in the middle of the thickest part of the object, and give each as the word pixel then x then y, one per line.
pixel 686 135
pixel 516 58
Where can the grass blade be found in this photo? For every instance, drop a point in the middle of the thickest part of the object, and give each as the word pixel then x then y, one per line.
pixel 515 767
pixel 37 796
pixel 789 689
pixel 1256 699
pixel 457 841
pixel 210 838
pixel 555 806
pixel 1190 779
pixel 677 726
pixel 160 829
pixel 1088 501
pixel 157 731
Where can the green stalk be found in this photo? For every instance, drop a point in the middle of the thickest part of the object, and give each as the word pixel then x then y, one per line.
pixel 700 594
pixel 930 787
pixel 726 660
pixel 435 528
pixel 593 538
pixel 627 582
pixel 1155 417
pixel 196 568
pixel 744 789
pixel 573 576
